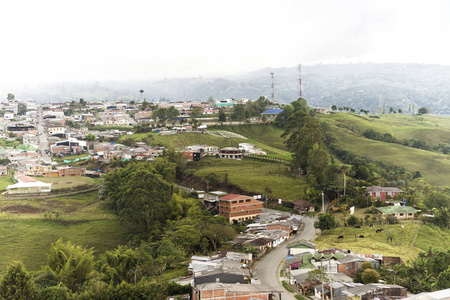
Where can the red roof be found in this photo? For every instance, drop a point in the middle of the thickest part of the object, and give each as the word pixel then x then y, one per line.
pixel 25 178
pixel 230 197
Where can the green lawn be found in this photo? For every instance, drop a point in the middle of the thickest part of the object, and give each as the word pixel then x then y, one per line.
pixel 254 176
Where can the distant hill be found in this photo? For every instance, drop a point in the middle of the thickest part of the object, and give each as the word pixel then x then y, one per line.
pixel 361 86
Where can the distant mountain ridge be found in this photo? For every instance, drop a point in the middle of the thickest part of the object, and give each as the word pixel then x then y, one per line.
pixel 366 86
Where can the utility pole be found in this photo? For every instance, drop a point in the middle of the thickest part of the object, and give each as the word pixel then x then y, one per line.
pixel 321 272
pixel 331 280
pixel 323 202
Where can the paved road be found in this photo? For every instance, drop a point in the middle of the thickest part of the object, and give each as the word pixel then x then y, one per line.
pixel 42 135
pixel 267 269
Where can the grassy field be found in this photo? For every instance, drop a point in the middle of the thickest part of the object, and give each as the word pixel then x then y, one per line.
pixel 179 141
pixel 407 242
pixel 254 176
pixel 434 167
pixel 5 181
pixel 266 137
pixel 430 129
pixel 67 182
pixel 28 227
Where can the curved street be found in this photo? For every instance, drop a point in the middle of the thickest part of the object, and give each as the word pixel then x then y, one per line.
pixel 267 269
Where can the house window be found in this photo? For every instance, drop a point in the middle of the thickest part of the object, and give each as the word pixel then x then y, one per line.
pixel 248 200
pixel 401 214
pixel 241 201
pixel 233 202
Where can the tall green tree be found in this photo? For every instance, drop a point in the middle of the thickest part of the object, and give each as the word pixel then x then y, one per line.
pixel 318 160
pixel 222 116
pixel 326 221
pixel 71 264
pixel 302 133
pixel 282 118
pixel 218 233
pixel 238 113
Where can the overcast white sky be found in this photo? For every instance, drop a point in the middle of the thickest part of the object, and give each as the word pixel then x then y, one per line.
pixel 146 40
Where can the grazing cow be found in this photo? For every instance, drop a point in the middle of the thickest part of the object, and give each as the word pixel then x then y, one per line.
pixel 371 225
pixel 340 237
pixel 361 236
pixel 379 230
pixel 357 226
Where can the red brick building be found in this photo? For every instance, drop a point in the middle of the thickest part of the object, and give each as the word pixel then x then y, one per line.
pixel 70 171
pixel 238 208
pixel 223 291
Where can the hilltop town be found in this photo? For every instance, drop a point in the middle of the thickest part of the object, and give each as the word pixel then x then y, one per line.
pixel 237 246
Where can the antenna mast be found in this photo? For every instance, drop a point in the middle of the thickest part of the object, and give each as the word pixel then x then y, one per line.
pixel 300 79
pixel 273 92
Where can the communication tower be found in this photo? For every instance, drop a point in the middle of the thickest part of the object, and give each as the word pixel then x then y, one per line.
pixel 273 92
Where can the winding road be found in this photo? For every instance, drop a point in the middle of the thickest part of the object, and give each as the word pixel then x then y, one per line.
pixel 267 269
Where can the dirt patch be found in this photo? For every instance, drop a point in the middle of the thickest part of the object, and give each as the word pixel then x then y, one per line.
pixel 22 209
pixel 68 222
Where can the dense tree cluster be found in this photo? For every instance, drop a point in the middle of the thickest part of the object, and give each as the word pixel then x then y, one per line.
pixel 72 272
pixel 162 115
pixel 430 271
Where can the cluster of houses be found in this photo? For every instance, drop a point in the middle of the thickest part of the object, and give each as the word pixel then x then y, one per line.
pixel 226 275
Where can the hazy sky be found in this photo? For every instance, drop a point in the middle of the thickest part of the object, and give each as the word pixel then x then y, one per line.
pixel 134 40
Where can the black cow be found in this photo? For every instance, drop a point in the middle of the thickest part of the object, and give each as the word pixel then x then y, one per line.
pixel 361 236
pixel 357 226
pixel 379 230
pixel 340 237
pixel 371 225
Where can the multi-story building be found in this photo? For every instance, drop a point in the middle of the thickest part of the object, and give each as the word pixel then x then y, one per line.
pixel 238 208
pixel 230 153
pixel 382 193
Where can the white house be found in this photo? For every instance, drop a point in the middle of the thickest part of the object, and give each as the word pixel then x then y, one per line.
pixel 28 185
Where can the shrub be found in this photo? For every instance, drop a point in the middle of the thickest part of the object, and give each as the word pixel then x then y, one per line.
pixel 352 220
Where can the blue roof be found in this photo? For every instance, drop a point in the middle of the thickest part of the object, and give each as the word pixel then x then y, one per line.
pixel 272 111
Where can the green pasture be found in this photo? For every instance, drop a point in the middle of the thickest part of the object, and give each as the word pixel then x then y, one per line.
pixel 181 140
pixel 254 176
pixel 403 245
pixel 5 181
pixel 262 134
pixel 432 236
pixel 29 240
pixel 431 129
pixel 28 227
pixel 434 167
